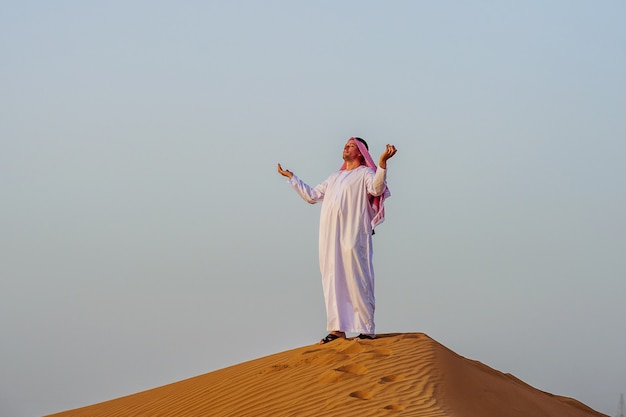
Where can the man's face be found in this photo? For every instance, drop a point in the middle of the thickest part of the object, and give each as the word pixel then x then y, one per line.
pixel 351 152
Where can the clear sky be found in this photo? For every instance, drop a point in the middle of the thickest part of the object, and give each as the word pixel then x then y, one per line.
pixel 147 238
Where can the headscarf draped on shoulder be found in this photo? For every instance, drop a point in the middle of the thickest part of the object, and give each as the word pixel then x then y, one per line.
pixel 377 203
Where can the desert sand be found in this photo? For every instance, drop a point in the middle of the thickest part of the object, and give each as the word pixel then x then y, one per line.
pixel 402 374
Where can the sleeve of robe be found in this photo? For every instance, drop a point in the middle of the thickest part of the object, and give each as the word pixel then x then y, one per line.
pixel 378 184
pixel 308 194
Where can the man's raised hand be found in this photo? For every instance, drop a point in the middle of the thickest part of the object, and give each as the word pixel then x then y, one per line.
pixel 389 151
pixel 284 172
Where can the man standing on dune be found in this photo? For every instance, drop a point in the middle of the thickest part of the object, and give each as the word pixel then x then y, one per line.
pixel 352 205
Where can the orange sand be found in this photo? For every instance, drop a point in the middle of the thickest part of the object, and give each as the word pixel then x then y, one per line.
pixel 406 374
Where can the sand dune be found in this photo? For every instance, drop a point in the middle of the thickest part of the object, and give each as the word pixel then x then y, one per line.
pixel 406 374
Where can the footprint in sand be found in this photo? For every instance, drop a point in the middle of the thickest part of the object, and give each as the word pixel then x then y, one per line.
pixel 363 395
pixel 353 348
pixel 391 378
pixel 342 373
pixel 353 368
pixel 395 407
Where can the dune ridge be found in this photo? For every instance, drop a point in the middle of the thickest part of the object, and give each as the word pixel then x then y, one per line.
pixel 406 374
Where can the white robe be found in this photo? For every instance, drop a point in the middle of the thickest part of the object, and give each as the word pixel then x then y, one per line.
pixel 345 245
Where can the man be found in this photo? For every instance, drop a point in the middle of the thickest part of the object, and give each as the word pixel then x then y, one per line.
pixel 352 205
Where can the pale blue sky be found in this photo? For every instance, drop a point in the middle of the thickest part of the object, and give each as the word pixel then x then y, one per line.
pixel 147 238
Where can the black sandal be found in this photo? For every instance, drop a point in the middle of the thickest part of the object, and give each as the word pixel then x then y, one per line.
pixel 329 338
pixel 365 337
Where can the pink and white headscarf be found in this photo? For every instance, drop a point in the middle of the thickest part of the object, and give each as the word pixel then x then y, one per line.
pixel 376 202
